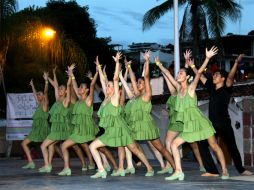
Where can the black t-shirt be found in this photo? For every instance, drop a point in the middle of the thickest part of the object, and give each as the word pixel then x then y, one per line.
pixel 218 104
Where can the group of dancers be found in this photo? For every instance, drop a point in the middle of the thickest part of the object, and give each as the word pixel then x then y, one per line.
pixel 122 124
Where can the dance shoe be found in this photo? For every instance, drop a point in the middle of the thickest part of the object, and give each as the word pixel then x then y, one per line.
pixel 108 168
pixel 176 176
pixel 225 176
pixel 130 171
pixel 30 165
pixel 202 169
pixel 99 175
pixel 149 173
pixel 45 169
pixel 247 173
pixel 65 172
pixel 84 168
pixel 91 166
pixel 118 173
pixel 165 170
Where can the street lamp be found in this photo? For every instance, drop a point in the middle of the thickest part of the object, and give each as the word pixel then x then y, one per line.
pixel 48 33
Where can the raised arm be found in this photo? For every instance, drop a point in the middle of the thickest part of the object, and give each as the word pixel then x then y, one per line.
pixel 105 74
pixel 34 90
pixel 46 87
pixel 133 78
pixel 167 74
pixel 209 54
pixel 54 83
pixel 101 75
pixel 115 98
pixel 189 63
pixel 68 96
pixel 73 79
pixel 231 74
pixel 126 87
pixel 148 90
pixel 90 98
pixel 171 88
pixel 122 98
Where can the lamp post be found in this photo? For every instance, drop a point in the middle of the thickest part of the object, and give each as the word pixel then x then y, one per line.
pixel 47 35
pixel 176 39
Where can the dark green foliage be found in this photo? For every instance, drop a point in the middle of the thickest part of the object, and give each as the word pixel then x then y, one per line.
pixel 75 42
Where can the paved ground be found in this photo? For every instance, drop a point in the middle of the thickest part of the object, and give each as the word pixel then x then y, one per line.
pixel 12 177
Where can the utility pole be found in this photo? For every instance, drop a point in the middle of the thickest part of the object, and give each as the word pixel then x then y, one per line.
pixel 176 39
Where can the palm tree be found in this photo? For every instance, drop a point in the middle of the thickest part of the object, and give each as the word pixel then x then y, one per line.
pixel 7 7
pixel 202 19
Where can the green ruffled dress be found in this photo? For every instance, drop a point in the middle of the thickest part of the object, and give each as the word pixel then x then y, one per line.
pixel 85 128
pixel 196 126
pixel 141 122
pixel 40 126
pixel 127 111
pixel 173 125
pixel 60 124
pixel 117 132
pixel 70 116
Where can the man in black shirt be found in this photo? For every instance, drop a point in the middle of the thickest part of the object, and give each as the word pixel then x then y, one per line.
pixel 220 90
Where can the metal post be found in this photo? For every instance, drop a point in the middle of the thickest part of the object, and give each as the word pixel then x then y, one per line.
pixel 176 39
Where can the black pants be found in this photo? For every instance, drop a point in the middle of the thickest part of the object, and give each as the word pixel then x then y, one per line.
pixel 227 134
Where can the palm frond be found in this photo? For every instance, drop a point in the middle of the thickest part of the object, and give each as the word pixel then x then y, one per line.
pixel 157 12
pixel 216 18
pixel 230 9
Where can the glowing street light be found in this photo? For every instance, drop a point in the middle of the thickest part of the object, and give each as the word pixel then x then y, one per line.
pixel 49 33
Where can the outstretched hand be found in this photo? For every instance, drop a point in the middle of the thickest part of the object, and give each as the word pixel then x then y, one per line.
pixel 117 57
pixel 89 75
pixel 127 63
pixel 45 75
pixel 31 83
pixel 70 69
pixel 187 54
pixel 146 55
pixel 54 69
pixel 213 51
pixel 96 62
pixel 239 58
pixel 157 59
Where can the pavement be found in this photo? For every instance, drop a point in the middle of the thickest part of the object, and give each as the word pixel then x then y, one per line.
pixel 13 177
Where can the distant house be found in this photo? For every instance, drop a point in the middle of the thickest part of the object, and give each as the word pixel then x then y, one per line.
pixel 233 46
pixel 165 54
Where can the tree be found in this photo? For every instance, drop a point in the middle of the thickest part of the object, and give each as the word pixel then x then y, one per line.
pixel 75 42
pixel 7 8
pixel 202 19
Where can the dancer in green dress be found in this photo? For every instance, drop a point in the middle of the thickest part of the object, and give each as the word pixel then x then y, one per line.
pixel 174 128
pixel 40 126
pixel 117 133
pixel 60 125
pixel 84 128
pixel 141 122
pixel 78 147
pixel 196 126
pixel 125 111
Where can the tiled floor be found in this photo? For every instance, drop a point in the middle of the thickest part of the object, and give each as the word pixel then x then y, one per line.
pixel 12 177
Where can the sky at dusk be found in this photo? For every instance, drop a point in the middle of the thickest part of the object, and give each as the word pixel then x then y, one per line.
pixel 122 20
